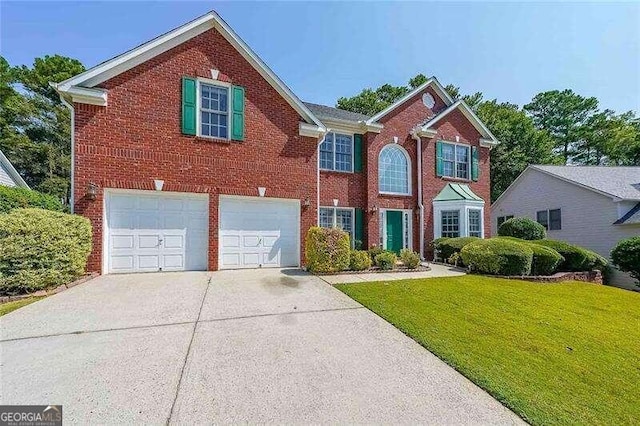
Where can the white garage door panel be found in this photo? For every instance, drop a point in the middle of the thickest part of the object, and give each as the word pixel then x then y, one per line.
pixel 151 232
pixel 258 232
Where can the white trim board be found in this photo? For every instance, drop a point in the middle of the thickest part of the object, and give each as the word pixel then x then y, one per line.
pixel 488 140
pixel 15 176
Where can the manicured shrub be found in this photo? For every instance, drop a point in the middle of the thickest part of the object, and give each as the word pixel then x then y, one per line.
pixel 327 249
pixel 386 260
pixel 41 248
pixel 626 256
pixel 410 258
pixel 545 259
pixel 575 258
pixel 374 251
pixel 449 246
pixel 20 198
pixel 498 256
pixel 522 227
pixel 360 260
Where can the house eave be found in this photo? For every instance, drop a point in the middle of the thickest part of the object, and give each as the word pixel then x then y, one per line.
pixel 83 95
pixel 310 130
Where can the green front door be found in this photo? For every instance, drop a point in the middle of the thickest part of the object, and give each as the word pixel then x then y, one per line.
pixel 394 230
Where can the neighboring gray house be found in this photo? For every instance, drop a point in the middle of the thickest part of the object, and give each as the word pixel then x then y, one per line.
pixel 8 174
pixel 594 207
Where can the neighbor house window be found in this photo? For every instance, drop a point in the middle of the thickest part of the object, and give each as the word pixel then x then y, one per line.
pixel 214 111
pixel 455 160
pixel 336 152
pixel 393 171
pixel 334 217
pixel 503 219
pixel 475 223
pixel 550 219
pixel 450 223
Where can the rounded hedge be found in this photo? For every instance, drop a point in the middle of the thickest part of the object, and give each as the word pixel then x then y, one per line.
pixel 575 258
pixel 409 258
pixel 545 259
pixel 448 246
pixel 360 260
pixel 523 228
pixel 498 256
pixel 41 249
pixel 386 260
pixel 374 251
pixel 626 256
pixel 327 249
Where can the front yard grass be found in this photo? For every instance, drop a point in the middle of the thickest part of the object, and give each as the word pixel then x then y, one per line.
pixel 5 308
pixel 565 353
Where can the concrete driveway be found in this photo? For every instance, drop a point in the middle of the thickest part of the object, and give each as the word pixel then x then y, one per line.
pixel 262 346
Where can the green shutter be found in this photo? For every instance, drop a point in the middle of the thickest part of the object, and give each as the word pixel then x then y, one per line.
pixel 357 153
pixel 358 232
pixel 439 165
pixel 474 163
pixel 237 119
pixel 188 106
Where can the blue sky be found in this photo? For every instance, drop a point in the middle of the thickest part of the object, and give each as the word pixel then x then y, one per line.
pixel 508 51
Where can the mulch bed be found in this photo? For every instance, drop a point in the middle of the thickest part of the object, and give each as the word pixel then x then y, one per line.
pixel 376 270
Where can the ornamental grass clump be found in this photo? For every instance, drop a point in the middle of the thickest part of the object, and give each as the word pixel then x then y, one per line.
pixel 409 258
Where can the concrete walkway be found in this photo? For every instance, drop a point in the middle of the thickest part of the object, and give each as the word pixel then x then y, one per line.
pixel 437 270
pixel 265 346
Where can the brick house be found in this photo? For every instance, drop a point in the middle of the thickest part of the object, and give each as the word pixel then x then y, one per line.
pixel 189 153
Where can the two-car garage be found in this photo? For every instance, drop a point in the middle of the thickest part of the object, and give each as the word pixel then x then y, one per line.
pixel 149 231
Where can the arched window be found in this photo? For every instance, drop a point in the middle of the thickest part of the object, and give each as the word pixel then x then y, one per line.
pixel 393 170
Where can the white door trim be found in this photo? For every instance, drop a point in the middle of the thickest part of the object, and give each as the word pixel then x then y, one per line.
pixel 407 234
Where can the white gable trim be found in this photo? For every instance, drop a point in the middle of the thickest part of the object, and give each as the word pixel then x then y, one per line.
pixel 431 82
pixel 163 43
pixel 488 139
pixel 13 173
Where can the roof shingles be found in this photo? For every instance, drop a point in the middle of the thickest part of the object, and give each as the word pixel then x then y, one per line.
pixel 324 112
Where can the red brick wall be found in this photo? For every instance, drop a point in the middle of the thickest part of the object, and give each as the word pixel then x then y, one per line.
pixel 399 123
pixel 137 138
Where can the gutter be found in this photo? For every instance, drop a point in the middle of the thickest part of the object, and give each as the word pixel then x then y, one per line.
pixel 414 135
pixel 73 139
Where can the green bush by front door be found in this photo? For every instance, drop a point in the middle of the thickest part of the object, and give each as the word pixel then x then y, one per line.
pixel 394 230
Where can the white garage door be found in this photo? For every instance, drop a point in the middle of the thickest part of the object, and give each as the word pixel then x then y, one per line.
pixel 258 232
pixel 151 231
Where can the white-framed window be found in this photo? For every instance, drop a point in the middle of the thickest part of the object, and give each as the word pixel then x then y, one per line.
pixel 456 160
pixel 213 109
pixel 393 171
pixel 474 218
pixel 338 217
pixel 336 152
pixel 450 223
pixel 550 219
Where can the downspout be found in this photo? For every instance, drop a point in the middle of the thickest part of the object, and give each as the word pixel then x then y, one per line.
pixel 73 131
pixel 321 137
pixel 414 135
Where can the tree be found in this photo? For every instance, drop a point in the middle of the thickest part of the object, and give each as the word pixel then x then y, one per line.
pixel 36 134
pixel 521 144
pixel 565 115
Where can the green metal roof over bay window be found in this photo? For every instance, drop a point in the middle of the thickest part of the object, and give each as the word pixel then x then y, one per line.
pixel 457 192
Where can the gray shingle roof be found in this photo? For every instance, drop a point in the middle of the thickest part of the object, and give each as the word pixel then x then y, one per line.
pixel 620 182
pixel 324 112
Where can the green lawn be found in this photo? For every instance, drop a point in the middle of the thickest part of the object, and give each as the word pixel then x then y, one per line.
pixel 5 308
pixel 564 353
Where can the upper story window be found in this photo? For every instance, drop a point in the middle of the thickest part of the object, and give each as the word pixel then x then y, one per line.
pixel 336 152
pixel 214 111
pixel 550 219
pixel 393 171
pixel 455 160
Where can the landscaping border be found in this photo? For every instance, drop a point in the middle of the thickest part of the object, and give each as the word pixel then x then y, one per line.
pixel 588 276
pixel 376 270
pixel 55 290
